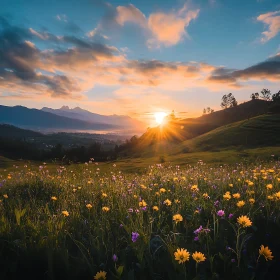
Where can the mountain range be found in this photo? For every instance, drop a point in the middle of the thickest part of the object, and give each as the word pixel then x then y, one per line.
pixel 66 119
pixel 123 122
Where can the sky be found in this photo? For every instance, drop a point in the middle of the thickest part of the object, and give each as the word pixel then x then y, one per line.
pixel 137 57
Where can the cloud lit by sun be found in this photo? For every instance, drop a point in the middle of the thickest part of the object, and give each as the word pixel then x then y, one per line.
pixel 159 117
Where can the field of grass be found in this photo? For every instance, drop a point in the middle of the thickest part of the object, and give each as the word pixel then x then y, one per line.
pixel 104 221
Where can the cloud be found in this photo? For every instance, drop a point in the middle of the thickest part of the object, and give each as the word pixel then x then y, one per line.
pixel 266 70
pixel 130 14
pixel 272 22
pixel 169 29
pixel 162 28
pixel 70 66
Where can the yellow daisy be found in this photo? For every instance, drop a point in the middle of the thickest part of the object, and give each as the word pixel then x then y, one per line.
pixel 198 257
pixel 182 255
pixel 265 251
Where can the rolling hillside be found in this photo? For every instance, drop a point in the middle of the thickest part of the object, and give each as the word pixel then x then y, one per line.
pixel 259 131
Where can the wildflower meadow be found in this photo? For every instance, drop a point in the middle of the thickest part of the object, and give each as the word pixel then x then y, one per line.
pixel 193 222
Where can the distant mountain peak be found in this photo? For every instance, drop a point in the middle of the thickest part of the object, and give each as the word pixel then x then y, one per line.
pixel 65 108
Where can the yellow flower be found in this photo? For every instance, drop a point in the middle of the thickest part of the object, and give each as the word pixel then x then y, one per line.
pixel 198 257
pixel 104 195
pixel 250 184
pixel 79 188
pixel 143 187
pixel 205 195
pixel 65 213
pixel 162 190
pixel 269 186
pixel 251 200
pixel 265 251
pixel 101 275
pixel 155 208
pixel 54 198
pixel 227 196
pixel 244 221
pixel 236 195
pixel 230 185
pixel 182 255
pixel 157 193
pixel 240 203
pixel 5 195
pixel 271 170
pixel 74 190
pixel 270 197
pixel 9 177
pixel 167 202
pixel 177 218
pixel 277 196
pixel 105 209
pixel 142 203
pixel 177 201
pixel 89 206
pixel 175 179
pixel 194 188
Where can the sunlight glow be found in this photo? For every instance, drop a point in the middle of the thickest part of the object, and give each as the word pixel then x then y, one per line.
pixel 159 117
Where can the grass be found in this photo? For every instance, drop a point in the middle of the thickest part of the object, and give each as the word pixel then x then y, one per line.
pixel 39 240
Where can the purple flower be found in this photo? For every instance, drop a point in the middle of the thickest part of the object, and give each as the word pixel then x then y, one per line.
pixel 221 213
pixel 134 236
pixel 144 208
pixel 230 216
pixel 216 203
pixel 121 225
pixel 197 231
pixel 233 260
pixel 196 238
pixel 115 258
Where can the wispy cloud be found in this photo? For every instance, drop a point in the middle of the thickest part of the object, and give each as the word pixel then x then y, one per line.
pixel 272 22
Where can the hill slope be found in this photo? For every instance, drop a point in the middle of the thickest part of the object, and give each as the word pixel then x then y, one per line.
pixel 259 131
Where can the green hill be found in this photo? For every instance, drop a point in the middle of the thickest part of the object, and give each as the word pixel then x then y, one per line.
pixel 259 131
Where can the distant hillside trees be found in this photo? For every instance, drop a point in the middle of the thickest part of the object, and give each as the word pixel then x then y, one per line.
pixel 255 96
pixel 266 94
pixel 208 110
pixel 228 101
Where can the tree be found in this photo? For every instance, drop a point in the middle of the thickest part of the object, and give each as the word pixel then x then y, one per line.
pixel 224 103
pixel 276 97
pixel 204 111
pixel 254 96
pixel 228 100
pixel 266 94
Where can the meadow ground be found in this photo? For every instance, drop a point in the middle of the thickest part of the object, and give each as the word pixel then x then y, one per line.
pixel 197 218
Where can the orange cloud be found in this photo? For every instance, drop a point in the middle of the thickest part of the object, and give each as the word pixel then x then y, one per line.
pixel 170 28
pixel 272 21
pixel 165 29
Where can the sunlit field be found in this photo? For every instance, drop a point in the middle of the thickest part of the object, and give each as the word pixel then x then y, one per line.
pixel 191 222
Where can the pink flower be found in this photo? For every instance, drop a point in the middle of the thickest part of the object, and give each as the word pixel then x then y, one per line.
pixel 221 213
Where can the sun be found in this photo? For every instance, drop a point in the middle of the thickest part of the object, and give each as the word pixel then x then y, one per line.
pixel 159 117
